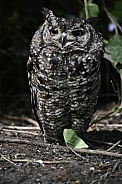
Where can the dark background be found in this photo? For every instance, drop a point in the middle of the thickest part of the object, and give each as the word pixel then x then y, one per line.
pixel 19 19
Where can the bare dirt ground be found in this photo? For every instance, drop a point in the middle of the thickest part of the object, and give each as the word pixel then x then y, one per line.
pixel 26 159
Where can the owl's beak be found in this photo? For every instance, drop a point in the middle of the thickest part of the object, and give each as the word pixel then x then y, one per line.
pixel 63 39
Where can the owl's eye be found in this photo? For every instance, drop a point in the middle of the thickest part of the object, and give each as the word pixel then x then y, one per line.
pixel 78 33
pixel 54 32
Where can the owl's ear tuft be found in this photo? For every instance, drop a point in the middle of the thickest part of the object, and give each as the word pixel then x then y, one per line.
pixel 49 16
pixel 46 12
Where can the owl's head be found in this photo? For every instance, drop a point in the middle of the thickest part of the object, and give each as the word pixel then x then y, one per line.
pixel 66 33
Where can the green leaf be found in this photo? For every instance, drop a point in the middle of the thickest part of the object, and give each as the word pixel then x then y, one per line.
pixel 72 140
pixel 115 49
pixel 105 42
pixel 93 9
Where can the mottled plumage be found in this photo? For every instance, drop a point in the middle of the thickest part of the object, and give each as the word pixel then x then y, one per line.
pixel 64 74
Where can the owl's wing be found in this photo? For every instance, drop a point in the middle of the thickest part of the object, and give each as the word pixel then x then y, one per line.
pixel 33 88
pixel 35 49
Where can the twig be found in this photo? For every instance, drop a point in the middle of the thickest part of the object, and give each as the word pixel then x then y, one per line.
pixel 99 152
pixel 42 161
pixel 87 151
pixel 21 128
pixel 115 166
pixel 114 145
pixel 29 120
pixel 114 126
pixel 112 20
pixel 19 131
pixel 86 9
pixel 8 160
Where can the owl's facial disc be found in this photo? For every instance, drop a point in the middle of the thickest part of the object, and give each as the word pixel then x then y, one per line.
pixel 65 33
pixel 63 38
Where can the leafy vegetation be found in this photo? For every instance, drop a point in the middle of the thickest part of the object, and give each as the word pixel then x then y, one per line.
pixel 72 140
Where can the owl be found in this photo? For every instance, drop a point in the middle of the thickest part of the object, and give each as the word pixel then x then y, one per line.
pixel 64 74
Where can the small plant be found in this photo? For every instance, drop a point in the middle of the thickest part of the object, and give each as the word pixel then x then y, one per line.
pixel 72 140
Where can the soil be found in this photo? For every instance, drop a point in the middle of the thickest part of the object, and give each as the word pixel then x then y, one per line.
pixel 27 159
